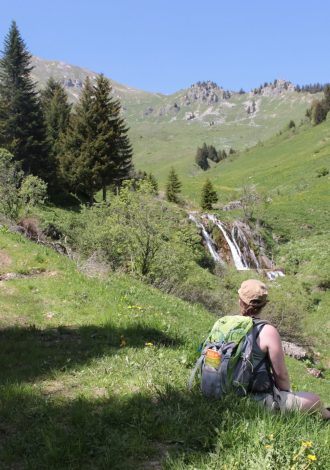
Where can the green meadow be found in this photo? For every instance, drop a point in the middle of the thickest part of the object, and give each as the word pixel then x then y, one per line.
pixel 94 375
pixel 95 367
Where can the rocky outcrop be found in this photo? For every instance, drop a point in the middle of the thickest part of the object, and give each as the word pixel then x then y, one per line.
pixel 274 89
pixel 232 205
pixel 169 109
pixel 205 92
pixel 297 352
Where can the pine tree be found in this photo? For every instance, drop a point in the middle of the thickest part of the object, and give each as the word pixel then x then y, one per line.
pixel 201 158
pixel 318 112
pixel 123 151
pixel 97 149
pixel 153 182
pixel 209 196
pixel 56 109
pixel 22 127
pixel 173 187
pixel 75 167
pixel 212 153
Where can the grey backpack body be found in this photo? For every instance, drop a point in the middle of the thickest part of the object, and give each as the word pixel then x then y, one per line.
pixel 236 372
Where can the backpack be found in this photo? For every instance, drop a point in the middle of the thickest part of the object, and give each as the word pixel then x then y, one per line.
pixel 226 361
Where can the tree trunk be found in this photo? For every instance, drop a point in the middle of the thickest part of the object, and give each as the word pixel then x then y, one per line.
pixel 104 193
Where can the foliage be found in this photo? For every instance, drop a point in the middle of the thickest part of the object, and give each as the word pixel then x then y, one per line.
pixel 131 231
pixel 320 108
pixel 209 152
pixel 22 128
pixel 201 158
pixel 173 186
pixel 10 177
pixel 153 182
pixel 212 153
pixel 318 112
pixel 209 196
pixel 96 152
pixel 56 110
pixel 250 199
pixel 33 191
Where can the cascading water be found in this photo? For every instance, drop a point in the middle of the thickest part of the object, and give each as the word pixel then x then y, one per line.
pixel 208 240
pixel 239 261
pixel 242 254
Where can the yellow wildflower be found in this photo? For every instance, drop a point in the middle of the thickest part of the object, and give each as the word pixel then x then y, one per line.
pixel 312 457
pixel 307 444
pixel 267 446
pixel 149 344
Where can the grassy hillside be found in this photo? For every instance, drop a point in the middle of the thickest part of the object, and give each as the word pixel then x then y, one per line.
pixel 94 375
pixel 292 171
pixel 160 142
pixel 166 130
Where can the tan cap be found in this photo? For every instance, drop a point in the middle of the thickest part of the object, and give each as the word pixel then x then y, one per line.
pixel 253 292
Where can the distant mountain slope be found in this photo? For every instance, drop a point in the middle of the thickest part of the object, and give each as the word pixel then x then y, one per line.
pixel 73 77
pixel 166 130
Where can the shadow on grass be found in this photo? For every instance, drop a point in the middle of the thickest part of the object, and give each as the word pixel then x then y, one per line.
pixel 135 431
pixel 28 353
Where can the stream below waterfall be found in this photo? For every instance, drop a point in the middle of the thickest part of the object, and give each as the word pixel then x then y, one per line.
pixel 238 241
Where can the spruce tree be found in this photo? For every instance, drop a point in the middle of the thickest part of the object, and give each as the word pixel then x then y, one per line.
pixel 201 158
pixel 173 186
pixel 56 109
pixel 153 182
pixel 97 149
pixel 212 153
pixel 75 161
pixel 22 127
pixel 209 196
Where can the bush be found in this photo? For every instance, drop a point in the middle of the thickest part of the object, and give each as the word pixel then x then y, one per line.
pixel 33 191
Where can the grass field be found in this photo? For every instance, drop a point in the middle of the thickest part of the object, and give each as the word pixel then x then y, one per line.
pixel 94 375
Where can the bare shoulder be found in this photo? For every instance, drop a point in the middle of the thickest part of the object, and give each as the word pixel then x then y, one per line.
pixel 269 338
pixel 270 331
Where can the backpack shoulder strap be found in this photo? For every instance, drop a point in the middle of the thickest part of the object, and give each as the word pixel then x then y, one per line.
pixel 258 326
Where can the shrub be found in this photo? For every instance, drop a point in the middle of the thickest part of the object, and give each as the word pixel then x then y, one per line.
pixel 33 191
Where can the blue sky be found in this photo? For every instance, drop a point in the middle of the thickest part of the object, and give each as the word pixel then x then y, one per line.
pixel 168 45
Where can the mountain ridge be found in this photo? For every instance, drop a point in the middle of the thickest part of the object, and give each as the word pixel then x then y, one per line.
pixel 165 130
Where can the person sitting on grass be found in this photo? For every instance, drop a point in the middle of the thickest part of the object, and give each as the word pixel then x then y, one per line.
pixel 268 347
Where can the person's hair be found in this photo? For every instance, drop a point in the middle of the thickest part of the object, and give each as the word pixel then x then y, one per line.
pixel 250 310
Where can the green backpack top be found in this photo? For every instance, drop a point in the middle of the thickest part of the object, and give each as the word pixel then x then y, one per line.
pixel 226 361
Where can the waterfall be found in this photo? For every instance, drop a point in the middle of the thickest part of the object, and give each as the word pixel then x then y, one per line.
pixel 208 240
pixel 242 254
pixel 239 261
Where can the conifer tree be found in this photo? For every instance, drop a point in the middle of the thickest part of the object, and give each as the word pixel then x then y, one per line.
pixel 75 166
pixel 212 153
pixel 209 196
pixel 97 149
pixel 56 109
pixel 153 182
pixel 173 186
pixel 22 127
pixel 201 158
